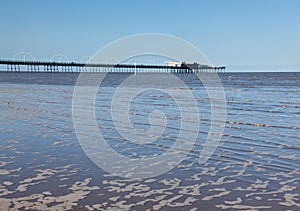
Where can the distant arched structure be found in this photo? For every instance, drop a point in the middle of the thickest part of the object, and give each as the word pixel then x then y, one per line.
pixel 85 59
pixel 25 55
pixel 59 58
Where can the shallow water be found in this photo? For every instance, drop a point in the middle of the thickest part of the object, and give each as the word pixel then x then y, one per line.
pixel 255 167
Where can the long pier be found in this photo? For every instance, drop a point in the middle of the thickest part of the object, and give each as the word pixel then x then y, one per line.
pixel 72 67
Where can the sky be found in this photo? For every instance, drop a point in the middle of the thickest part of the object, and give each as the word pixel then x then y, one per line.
pixel 243 35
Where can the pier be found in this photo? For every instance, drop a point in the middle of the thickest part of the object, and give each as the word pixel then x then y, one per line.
pixel 74 67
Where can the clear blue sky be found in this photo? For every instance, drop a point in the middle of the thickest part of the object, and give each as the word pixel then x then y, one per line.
pixel 241 34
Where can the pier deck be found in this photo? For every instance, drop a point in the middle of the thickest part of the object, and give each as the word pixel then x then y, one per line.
pixel 43 66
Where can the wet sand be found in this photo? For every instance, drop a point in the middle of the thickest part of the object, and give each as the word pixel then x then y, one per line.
pixel 256 166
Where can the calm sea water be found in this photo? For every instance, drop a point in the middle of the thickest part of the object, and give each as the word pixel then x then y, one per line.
pixel 255 167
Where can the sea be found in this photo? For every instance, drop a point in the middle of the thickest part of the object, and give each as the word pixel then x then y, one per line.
pixel 254 166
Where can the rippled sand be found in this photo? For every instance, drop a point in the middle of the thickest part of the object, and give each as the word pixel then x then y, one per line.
pixel 256 166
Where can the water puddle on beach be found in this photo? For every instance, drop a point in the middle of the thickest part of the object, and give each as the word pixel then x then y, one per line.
pixel 255 167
